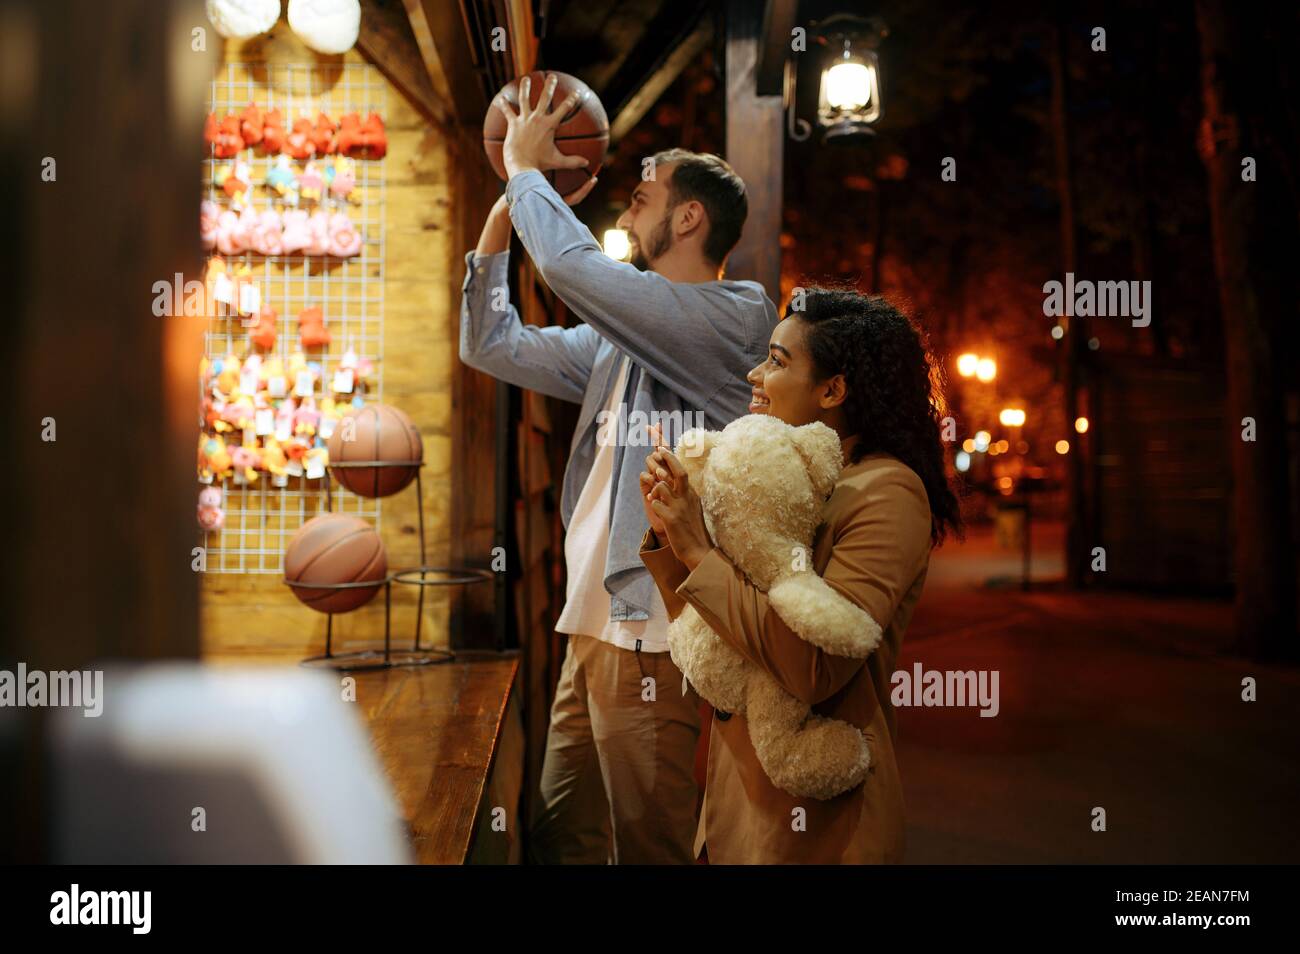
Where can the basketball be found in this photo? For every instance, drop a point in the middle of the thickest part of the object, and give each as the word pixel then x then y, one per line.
pixel 583 132
pixel 376 432
pixel 335 548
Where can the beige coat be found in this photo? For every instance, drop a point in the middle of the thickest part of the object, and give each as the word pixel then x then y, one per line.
pixel 873 547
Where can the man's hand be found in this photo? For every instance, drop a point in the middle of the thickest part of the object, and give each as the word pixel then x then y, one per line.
pixel 530 133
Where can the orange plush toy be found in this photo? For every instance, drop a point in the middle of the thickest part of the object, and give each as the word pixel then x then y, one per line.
pixel 225 137
pixel 251 124
pixel 360 140
pixel 322 135
pixel 311 327
pixel 272 131
pixel 374 140
pixel 298 143
pixel 263 332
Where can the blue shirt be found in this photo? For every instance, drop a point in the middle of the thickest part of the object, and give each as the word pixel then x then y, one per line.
pixel 690 344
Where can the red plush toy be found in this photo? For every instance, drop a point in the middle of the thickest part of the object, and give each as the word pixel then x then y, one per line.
pixel 298 143
pixel 263 332
pixel 251 124
pixel 322 135
pixel 374 140
pixel 311 327
pixel 225 137
pixel 272 131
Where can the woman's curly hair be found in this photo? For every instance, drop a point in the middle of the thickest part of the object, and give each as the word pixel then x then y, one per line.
pixel 895 388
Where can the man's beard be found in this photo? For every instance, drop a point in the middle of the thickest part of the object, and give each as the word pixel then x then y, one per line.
pixel 661 240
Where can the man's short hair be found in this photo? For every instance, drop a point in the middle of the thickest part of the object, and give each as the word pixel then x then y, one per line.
pixel 708 180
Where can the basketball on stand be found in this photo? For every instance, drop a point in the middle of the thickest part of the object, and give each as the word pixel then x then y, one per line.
pixel 335 548
pixel 583 132
pixel 378 432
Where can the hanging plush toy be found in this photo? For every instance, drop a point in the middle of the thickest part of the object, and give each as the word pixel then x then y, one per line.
pixel 322 135
pixel 209 215
pixel 311 183
pixel 224 137
pixel 311 327
pixel 211 516
pixel 345 240
pixel 263 332
pixel 299 142
pixel 235 180
pixel 250 124
pixel 240 19
pixel 282 180
pixel 366 140
pixel 327 26
pixel 296 233
pixel 245 460
pixel 342 179
pixel 214 459
pixel 272 131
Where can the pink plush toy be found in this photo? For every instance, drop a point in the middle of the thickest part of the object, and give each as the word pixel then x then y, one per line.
pixel 211 516
pixel 231 238
pixel 267 238
pixel 345 240
pixel 246 461
pixel 311 183
pixel 320 234
pixel 307 418
pixel 209 213
pixel 296 234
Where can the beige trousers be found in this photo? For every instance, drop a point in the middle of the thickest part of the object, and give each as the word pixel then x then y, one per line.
pixel 618 781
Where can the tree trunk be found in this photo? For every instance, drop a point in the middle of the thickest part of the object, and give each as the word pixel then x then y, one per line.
pixel 1264 562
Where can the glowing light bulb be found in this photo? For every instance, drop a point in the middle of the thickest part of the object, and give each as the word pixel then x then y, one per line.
pixel 616 244
pixel 847 86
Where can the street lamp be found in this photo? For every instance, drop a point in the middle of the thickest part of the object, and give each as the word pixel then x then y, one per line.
pixel 966 364
pixel 986 370
pixel 1012 417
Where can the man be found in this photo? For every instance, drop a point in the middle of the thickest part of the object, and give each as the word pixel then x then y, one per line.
pixel 664 338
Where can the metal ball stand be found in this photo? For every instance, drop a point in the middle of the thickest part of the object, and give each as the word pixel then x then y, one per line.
pixel 390 658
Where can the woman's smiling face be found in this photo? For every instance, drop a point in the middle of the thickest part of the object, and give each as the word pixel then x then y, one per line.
pixel 785 384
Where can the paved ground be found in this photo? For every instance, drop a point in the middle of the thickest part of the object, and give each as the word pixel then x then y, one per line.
pixel 1110 700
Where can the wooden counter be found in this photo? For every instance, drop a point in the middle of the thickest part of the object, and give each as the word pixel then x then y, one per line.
pixel 450 737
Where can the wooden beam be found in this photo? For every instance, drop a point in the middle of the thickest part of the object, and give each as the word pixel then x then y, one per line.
pixel 388 41
pixel 440 34
pixel 650 86
pixel 755 140
pixel 779 20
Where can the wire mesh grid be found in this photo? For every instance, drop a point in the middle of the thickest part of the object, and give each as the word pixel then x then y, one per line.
pixel 260 518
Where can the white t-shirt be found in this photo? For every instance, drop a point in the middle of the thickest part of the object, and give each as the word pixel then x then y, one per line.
pixel 586 606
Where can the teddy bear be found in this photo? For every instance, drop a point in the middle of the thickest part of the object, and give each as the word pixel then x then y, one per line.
pixel 762 485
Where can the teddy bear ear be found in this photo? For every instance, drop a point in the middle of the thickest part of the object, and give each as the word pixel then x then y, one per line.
pixel 819 446
pixel 695 445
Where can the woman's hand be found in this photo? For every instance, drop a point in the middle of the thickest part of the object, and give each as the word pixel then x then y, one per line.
pixel 648 485
pixel 677 505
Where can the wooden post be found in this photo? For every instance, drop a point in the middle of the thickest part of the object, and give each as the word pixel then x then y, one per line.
pixel 755 139
pixel 101 133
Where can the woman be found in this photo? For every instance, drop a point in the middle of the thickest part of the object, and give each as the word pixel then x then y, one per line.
pixel 860 367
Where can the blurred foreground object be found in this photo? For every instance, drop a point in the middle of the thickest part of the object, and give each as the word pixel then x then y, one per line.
pixel 196 765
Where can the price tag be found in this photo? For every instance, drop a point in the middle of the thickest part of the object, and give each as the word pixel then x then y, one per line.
pixel 248 381
pixel 326 427
pixel 343 381
pixel 276 386
pixel 265 421
pixel 303 385
pixel 315 468
pixel 250 298
pixel 293 468
pixel 223 289
pixel 283 427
